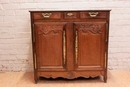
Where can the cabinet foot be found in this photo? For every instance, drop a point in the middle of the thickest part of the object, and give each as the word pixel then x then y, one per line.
pixel 105 80
pixel 36 80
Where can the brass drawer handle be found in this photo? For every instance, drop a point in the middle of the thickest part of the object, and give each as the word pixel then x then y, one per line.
pixel 93 14
pixel 46 15
pixel 70 14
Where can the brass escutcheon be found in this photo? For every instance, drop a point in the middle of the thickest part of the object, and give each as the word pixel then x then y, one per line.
pixel 70 14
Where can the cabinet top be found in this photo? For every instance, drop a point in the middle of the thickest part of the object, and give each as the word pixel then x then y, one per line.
pixel 66 10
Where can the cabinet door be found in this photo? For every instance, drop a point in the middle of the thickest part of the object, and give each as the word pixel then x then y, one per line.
pixel 50 46
pixel 90 45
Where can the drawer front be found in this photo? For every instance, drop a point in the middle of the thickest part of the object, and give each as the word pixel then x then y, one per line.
pixel 47 15
pixel 92 14
pixel 70 15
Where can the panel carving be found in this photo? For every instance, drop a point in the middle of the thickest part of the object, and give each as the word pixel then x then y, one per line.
pixel 46 29
pixel 92 27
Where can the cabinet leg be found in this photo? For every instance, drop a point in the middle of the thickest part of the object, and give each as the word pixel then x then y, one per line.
pixel 105 79
pixel 36 80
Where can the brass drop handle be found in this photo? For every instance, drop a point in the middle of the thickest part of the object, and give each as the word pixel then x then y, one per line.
pixel 46 15
pixel 93 14
pixel 70 14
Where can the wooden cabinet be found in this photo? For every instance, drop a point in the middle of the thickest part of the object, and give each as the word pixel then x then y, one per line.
pixel 70 44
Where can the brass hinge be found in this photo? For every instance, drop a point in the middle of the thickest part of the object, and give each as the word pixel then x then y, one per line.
pixel 33 34
pixel 35 60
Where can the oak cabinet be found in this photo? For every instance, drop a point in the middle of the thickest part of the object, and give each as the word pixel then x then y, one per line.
pixel 70 44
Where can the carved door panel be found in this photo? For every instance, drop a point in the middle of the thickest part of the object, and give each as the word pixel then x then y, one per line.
pixel 50 46
pixel 90 45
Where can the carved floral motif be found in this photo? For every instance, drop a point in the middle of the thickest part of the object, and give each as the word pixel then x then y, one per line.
pixel 93 28
pixel 46 29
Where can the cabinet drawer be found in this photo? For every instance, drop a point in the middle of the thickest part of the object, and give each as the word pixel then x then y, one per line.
pixel 47 15
pixel 68 15
pixel 92 14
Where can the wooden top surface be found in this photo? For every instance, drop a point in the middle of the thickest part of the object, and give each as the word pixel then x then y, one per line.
pixel 67 10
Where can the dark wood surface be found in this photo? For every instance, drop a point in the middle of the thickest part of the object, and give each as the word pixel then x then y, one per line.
pixel 70 44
